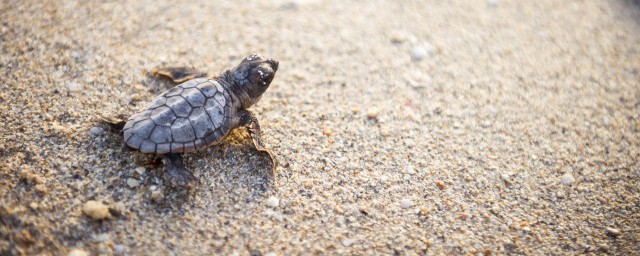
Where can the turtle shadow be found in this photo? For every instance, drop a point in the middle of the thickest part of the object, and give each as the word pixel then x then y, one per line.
pixel 230 168
pixel 223 171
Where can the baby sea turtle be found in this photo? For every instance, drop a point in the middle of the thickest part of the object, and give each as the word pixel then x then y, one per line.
pixel 199 112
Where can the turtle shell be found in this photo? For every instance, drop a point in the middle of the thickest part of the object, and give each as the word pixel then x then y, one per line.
pixel 188 117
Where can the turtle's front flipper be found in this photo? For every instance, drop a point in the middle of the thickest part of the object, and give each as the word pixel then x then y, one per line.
pixel 178 74
pixel 247 118
pixel 175 174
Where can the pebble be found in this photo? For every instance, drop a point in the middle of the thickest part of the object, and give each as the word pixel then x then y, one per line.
pixel 419 52
pixel 406 203
pixel 103 249
pixel 78 252
pixel 373 113
pixel 118 208
pixel 347 242
pixel 613 231
pixel 273 202
pixel 567 179
pixel 410 170
pixel 74 87
pixel 96 210
pixel 100 238
pixel 140 170
pixel 156 195
pixel 119 249
pixel 418 79
pixel 96 131
pixel 132 183
pixel 604 247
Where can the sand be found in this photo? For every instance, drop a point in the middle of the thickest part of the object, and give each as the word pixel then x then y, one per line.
pixel 400 127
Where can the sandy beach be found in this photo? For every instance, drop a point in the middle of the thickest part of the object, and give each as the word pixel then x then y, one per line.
pixel 400 128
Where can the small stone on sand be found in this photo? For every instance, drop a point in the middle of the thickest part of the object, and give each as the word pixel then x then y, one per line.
pixel 156 195
pixel 140 170
pixel 96 131
pixel 613 231
pixel 406 203
pixel 347 242
pixel 96 210
pixel 419 52
pixel 273 202
pixel 567 179
pixel 132 183
pixel 78 252
pixel 74 87
pixel 119 249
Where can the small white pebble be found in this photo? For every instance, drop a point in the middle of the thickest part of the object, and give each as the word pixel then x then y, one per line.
pixel 103 249
pixel 347 242
pixel 132 183
pixel 156 195
pixel 78 252
pixel 100 238
pixel 74 87
pixel 140 170
pixel 406 203
pixel 567 179
pixel 419 52
pixel 96 210
pixel 96 131
pixel 410 169
pixel 273 202
pixel 118 249
pixel 613 231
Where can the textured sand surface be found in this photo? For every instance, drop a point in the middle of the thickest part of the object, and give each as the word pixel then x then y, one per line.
pixel 401 127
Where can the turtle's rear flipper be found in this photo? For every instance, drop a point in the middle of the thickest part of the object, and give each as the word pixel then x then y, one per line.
pixel 178 74
pixel 115 123
pixel 176 174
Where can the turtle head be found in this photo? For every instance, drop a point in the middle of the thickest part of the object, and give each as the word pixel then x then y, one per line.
pixel 253 76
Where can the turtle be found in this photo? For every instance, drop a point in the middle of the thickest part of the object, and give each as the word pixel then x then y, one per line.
pixel 199 112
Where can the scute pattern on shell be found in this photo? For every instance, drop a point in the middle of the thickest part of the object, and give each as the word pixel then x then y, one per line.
pixel 186 118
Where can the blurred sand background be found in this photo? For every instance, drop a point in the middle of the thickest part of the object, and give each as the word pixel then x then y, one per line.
pixel 401 127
